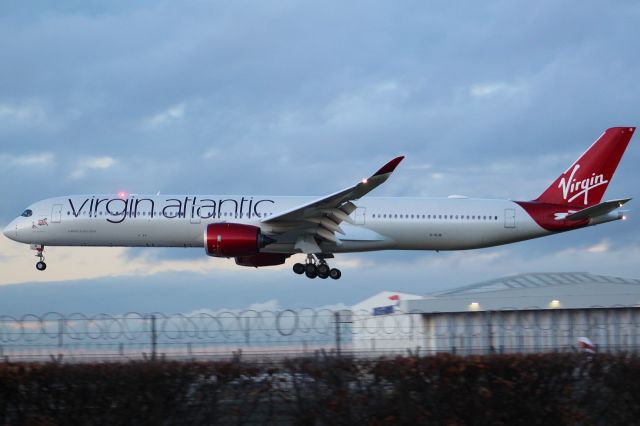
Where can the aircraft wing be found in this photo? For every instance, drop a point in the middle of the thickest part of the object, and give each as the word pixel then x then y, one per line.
pixel 321 218
pixel 597 210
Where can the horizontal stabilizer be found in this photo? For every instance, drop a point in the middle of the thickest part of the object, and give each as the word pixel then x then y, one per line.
pixel 597 210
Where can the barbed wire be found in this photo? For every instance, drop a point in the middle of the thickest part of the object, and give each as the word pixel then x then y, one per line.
pixel 258 326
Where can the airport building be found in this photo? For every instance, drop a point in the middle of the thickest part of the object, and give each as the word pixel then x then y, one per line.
pixel 535 312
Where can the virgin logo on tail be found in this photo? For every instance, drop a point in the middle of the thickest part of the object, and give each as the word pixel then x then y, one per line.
pixel 586 180
pixel 575 188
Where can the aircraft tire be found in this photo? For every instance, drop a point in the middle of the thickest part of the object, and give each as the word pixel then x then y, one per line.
pixel 335 273
pixel 298 268
pixel 41 266
pixel 323 269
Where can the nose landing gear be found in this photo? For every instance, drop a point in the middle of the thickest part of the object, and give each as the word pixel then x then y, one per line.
pixel 316 266
pixel 40 265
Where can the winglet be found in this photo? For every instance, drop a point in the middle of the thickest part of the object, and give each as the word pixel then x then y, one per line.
pixel 389 167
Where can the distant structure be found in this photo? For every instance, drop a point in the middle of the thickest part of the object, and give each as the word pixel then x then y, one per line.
pixel 536 312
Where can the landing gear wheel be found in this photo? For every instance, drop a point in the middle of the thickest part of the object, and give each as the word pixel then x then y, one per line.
pixel 299 268
pixel 315 266
pixel 39 248
pixel 310 268
pixel 311 271
pixel 323 269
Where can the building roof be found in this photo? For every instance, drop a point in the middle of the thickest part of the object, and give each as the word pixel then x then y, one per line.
pixel 535 280
pixel 384 298
pixel 566 290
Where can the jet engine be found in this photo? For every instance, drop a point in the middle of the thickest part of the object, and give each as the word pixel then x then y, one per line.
pixel 234 239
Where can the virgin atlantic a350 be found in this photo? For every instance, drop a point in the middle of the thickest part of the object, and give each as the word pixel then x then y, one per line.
pixel 262 231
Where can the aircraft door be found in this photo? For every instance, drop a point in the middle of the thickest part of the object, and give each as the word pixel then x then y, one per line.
pixel 509 218
pixel 56 213
pixel 359 215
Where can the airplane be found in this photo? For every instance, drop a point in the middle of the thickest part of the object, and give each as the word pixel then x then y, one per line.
pixel 262 231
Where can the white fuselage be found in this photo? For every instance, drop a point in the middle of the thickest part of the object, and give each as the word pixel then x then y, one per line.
pixel 180 221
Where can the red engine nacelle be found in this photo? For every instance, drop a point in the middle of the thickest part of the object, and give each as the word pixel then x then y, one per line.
pixel 262 259
pixel 234 239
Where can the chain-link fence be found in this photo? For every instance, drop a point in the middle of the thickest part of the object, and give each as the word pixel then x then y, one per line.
pixel 205 334
pixel 288 333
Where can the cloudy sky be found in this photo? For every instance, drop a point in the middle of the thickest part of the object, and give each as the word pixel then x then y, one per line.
pixel 487 99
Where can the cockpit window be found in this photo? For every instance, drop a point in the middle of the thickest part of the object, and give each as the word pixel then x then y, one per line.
pixel 27 213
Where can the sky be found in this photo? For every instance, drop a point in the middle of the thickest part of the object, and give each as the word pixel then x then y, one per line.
pixel 488 99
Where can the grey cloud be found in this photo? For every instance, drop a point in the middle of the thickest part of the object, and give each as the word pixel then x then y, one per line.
pixel 304 98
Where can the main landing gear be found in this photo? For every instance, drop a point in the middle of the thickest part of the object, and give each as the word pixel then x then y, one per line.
pixel 316 266
pixel 40 265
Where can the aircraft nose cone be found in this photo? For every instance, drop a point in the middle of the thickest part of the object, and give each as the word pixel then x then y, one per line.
pixel 9 231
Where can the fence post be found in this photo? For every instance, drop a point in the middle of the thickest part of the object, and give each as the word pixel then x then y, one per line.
pixel 60 332
pixel 337 315
pixel 154 338
pixel 247 332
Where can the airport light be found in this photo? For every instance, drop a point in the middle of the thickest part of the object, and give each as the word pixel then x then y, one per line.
pixel 555 303
pixel 474 306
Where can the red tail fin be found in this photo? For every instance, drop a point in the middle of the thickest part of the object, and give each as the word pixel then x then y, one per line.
pixel 584 183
